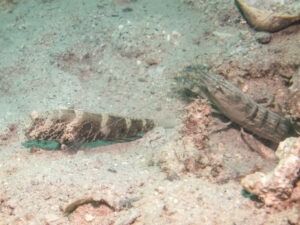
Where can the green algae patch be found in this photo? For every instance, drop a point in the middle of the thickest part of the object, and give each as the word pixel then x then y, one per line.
pixel 43 144
pixel 54 145
pixel 111 142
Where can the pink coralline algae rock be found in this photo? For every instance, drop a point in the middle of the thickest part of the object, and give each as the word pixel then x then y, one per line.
pixel 277 186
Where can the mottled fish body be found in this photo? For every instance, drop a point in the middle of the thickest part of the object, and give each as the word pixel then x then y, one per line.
pixel 74 128
pixel 237 106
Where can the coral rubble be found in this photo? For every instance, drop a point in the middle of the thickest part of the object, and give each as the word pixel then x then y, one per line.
pixel 262 20
pixel 280 186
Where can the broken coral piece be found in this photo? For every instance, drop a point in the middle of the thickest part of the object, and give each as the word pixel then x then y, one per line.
pixel 263 20
pixel 96 203
pixel 276 187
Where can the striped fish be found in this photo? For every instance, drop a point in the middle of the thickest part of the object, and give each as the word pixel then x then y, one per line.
pixel 73 128
pixel 235 105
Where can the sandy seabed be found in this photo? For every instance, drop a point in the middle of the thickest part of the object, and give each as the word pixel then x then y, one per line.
pixel 120 57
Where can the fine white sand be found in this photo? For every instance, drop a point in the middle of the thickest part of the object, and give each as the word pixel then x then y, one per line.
pixel 120 57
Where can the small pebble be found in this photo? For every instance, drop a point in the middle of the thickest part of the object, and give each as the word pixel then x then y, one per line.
pixel 126 203
pixel 112 170
pixel 173 177
pixel 263 37
pixel 89 217
pixel 51 217
pixel 127 9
